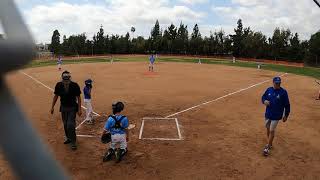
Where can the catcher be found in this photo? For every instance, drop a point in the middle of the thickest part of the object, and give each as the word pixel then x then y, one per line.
pixel 319 91
pixel 116 132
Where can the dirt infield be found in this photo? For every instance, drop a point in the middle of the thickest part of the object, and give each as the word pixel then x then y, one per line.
pixel 221 140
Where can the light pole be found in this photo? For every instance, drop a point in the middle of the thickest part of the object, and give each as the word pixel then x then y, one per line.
pixel 92 48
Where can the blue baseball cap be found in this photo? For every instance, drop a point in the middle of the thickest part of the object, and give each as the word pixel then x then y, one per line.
pixel 277 80
pixel 88 81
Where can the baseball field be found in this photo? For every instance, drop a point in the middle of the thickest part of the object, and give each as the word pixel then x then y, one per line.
pixel 191 121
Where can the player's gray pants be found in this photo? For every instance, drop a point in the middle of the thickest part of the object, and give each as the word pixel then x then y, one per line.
pixel 89 111
pixel 118 139
pixel 69 124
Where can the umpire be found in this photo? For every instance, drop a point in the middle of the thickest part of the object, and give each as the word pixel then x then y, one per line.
pixel 69 93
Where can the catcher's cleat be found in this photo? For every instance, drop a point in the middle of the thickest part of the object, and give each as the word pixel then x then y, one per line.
pixel 108 155
pixel 119 154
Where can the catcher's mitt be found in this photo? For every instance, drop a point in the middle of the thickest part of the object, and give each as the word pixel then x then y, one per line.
pixel 106 138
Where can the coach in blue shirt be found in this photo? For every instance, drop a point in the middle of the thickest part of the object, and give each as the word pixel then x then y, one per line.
pixel 277 105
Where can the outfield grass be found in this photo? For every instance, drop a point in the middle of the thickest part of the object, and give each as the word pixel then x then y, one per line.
pixel 304 71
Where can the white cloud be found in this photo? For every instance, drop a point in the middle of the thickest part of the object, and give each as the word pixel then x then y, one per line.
pixel 192 2
pixel 250 2
pixel 117 17
pixel 265 15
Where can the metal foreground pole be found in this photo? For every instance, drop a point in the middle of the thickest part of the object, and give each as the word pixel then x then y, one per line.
pixel 316 1
pixel 27 155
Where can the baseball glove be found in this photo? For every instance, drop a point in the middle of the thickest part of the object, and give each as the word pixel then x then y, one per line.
pixel 106 138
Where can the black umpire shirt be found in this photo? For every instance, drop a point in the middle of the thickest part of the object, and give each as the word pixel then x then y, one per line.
pixel 68 99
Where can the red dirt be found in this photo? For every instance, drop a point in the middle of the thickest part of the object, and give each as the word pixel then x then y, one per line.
pixel 160 129
pixel 222 140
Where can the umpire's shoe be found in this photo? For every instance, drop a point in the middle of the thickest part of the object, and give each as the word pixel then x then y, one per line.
pixel 120 153
pixel 108 155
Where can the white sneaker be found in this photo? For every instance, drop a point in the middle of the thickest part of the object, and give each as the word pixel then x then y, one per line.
pixel 266 150
pixel 90 122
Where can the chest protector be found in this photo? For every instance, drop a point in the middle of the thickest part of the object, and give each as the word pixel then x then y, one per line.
pixel 117 125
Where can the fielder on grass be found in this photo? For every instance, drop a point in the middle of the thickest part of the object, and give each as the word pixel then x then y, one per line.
pixel 70 100
pixel 277 105
pixel 117 125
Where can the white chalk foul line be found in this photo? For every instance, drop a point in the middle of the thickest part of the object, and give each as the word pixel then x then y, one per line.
pixel 178 128
pixel 162 139
pixel 222 97
pixel 39 82
pixel 141 129
pixel 86 136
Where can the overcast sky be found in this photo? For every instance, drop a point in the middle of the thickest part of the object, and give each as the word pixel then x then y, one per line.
pixel 117 16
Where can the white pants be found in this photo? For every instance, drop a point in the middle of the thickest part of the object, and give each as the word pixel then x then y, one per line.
pixel 59 66
pixel 87 104
pixel 118 139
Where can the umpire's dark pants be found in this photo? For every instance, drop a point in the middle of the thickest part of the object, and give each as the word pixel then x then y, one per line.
pixel 69 123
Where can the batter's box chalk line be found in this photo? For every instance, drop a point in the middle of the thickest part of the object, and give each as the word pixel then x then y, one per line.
pixel 159 138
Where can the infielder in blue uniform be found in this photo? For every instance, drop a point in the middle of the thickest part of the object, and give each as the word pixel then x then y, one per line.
pixel 277 105
pixel 152 59
pixel 117 125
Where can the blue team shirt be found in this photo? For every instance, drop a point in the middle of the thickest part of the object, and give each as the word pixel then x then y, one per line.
pixel 87 92
pixel 152 59
pixel 279 103
pixel 111 122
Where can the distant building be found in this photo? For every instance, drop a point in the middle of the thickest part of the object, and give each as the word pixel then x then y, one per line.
pixel 42 47
pixel 43 51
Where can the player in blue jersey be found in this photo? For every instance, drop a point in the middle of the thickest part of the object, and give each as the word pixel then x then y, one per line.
pixel 277 105
pixel 87 101
pixel 117 125
pixel 152 59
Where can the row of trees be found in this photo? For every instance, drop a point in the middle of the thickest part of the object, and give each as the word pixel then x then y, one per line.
pixel 283 45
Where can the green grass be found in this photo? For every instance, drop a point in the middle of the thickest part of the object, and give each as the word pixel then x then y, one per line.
pixel 53 62
pixel 304 71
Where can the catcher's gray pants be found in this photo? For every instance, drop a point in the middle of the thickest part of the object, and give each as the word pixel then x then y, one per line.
pixel 69 124
pixel 118 139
